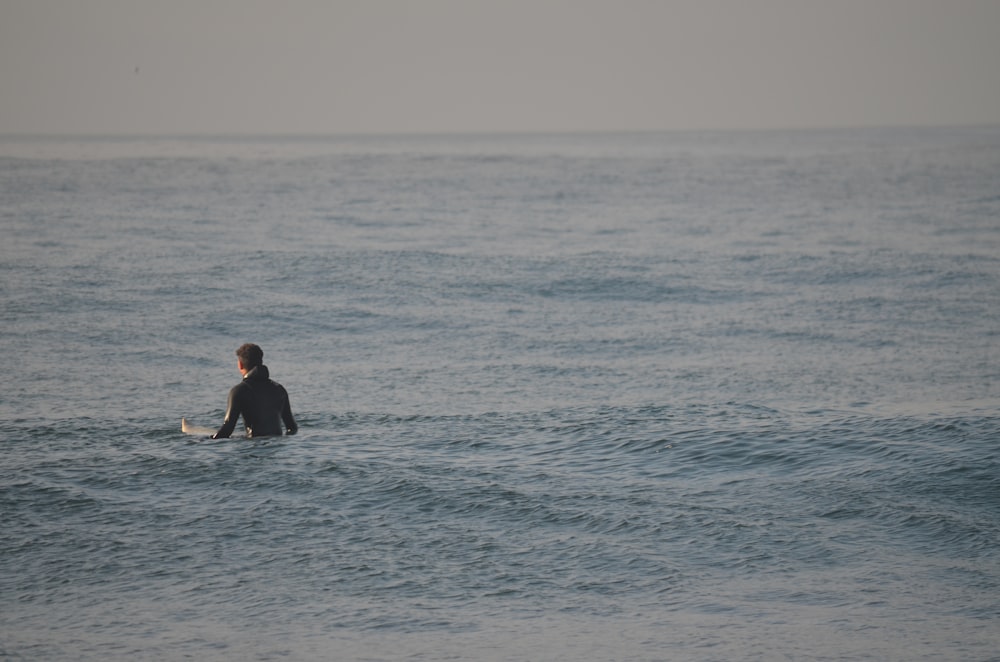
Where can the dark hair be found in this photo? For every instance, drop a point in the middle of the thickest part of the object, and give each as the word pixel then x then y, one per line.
pixel 250 355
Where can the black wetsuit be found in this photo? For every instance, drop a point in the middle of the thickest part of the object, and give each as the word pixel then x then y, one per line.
pixel 262 403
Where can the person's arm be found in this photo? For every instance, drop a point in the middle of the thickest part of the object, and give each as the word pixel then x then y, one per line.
pixel 232 416
pixel 291 427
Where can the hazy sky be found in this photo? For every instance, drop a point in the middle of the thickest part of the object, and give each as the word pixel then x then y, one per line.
pixel 348 66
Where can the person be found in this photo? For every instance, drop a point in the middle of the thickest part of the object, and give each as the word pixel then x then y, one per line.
pixel 261 402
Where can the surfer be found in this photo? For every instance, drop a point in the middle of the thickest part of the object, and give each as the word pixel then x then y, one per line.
pixel 263 403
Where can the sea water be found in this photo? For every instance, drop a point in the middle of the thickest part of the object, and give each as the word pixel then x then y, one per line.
pixel 664 396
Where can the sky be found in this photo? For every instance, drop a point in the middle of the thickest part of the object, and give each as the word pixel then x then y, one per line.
pixel 458 66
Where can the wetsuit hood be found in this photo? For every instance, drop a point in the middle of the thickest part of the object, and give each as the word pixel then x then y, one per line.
pixel 258 373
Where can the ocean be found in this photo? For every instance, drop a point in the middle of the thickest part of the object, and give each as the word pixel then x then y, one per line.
pixel 635 396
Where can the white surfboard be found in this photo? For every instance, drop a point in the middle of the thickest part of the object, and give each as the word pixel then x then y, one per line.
pixel 187 428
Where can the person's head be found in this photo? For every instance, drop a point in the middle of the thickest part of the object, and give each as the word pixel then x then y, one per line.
pixel 249 356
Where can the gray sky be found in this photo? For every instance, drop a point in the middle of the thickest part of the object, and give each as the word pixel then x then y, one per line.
pixel 373 66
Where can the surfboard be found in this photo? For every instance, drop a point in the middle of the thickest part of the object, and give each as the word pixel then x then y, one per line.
pixel 187 428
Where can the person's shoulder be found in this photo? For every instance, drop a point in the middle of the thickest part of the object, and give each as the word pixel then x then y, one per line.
pixel 278 387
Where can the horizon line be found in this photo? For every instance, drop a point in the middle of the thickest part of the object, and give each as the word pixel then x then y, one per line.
pixel 96 135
